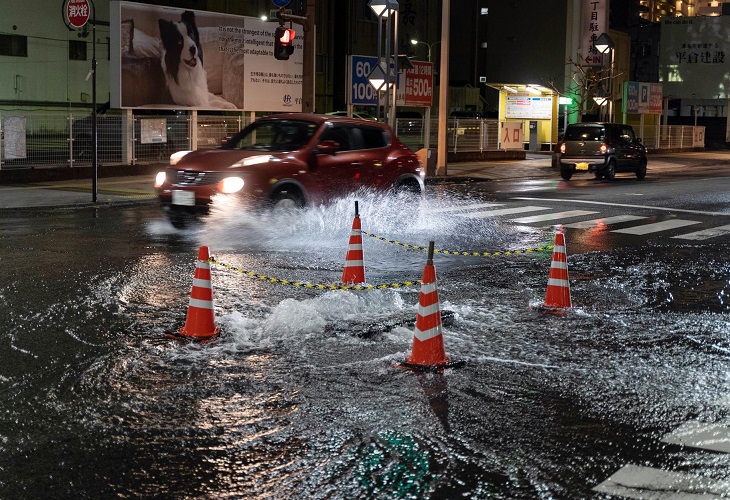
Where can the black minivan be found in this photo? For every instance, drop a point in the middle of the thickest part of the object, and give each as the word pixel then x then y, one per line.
pixel 601 148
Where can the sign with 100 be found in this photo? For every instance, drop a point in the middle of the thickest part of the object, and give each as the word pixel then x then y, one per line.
pixel 361 92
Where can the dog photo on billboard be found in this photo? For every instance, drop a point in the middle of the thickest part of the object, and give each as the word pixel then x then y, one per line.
pixel 182 64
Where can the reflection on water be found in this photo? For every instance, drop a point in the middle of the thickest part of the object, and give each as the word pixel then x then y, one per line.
pixel 293 401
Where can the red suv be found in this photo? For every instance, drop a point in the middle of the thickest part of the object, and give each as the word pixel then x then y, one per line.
pixel 289 160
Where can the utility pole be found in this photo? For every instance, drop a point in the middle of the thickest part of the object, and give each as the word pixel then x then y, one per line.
pixel 442 151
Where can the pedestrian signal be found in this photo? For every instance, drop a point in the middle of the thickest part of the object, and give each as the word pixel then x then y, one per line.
pixel 284 43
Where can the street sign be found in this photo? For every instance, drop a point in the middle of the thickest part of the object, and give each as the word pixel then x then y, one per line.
pixel 280 3
pixel 78 12
pixel 360 90
pixel 418 88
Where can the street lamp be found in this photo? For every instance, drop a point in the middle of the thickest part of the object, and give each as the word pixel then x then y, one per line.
pixel 386 9
pixel 601 97
pixel 429 45
pixel 604 45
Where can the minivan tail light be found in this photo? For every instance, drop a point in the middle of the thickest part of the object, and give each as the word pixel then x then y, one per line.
pixel 604 148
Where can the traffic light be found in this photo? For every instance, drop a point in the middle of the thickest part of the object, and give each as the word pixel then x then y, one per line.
pixel 284 43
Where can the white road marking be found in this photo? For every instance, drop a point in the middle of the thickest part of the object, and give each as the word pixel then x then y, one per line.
pixel 712 232
pixel 634 481
pixel 461 208
pixel 701 435
pixel 646 207
pixel 656 227
pixel 605 221
pixel 552 216
pixel 503 211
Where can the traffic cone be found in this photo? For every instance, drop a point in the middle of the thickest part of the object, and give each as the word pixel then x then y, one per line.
pixel 558 289
pixel 428 340
pixel 354 271
pixel 199 324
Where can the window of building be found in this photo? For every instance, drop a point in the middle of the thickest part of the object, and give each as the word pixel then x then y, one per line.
pixel 77 50
pixel 14 45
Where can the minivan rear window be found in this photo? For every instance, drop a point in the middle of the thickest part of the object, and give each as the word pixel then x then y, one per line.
pixel 596 133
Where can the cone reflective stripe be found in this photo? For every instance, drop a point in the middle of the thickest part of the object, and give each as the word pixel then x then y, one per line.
pixel 354 270
pixel 558 288
pixel 199 323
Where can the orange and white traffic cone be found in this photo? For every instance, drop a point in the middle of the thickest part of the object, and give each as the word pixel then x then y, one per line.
pixel 428 341
pixel 557 295
pixel 354 271
pixel 200 324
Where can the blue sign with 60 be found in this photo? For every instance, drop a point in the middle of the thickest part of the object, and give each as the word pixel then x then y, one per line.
pixel 361 92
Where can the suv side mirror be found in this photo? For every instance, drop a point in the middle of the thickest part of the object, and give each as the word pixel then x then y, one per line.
pixel 328 147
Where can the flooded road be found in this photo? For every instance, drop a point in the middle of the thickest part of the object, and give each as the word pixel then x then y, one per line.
pixel 300 398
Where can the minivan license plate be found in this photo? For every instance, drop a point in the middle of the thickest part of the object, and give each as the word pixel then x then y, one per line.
pixel 581 166
pixel 186 198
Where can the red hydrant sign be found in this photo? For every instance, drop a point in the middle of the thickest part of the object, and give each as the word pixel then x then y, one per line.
pixel 78 12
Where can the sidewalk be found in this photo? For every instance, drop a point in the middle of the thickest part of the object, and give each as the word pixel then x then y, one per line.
pixel 137 189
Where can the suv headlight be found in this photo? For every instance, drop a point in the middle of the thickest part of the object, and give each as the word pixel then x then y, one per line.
pixel 230 185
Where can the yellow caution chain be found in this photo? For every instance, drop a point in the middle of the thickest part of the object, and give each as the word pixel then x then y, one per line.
pixel 468 253
pixel 312 286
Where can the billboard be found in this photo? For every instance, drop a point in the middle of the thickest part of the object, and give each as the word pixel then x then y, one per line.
pixel 642 98
pixel 169 58
pixel 525 107
pixel 693 57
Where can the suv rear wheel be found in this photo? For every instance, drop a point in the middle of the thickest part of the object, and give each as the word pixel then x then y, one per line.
pixel 566 173
pixel 610 170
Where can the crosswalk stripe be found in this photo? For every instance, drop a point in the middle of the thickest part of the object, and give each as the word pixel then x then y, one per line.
pixel 634 481
pixel 656 227
pixel 700 435
pixel 705 233
pixel 553 216
pixel 605 221
pixel 461 208
pixel 503 211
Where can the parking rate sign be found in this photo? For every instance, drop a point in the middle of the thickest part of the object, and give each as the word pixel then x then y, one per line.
pixel 361 92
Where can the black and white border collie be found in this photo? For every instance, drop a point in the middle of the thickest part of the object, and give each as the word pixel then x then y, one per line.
pixel 182 63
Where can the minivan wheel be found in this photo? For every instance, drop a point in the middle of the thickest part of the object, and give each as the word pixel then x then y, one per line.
pixel 566 173
pixel 641 169
pixel 610 170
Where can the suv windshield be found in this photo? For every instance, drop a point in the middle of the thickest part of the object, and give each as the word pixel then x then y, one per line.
pixel 273 135
pixel 590 133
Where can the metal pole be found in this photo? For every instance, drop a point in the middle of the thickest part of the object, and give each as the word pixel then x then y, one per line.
pixel 380 61
pixel 391 122
pixel 386 107
pixel 94 128
pixel 308 70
